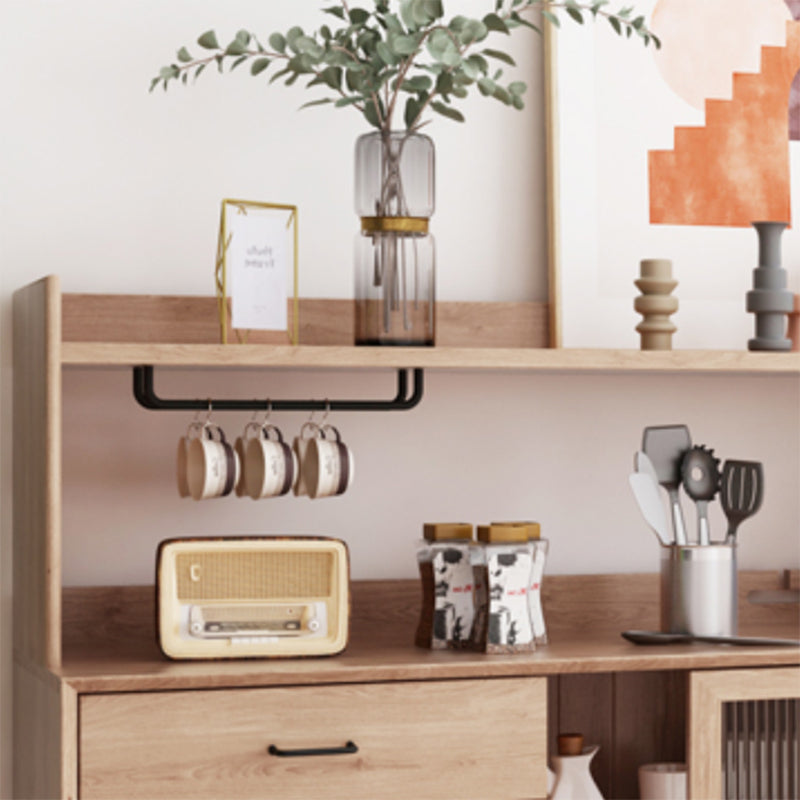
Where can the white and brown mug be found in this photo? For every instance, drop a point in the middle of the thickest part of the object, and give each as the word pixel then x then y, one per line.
pixel 212 465
pixel 194 430
pixel 271 466
pixel 328 464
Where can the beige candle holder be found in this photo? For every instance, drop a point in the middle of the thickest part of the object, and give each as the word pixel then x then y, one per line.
pixel 655 304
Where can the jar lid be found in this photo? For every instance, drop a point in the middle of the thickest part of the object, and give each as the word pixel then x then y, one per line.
pixel 502 533
pixel 446 531
pixel 532 529
pixel 570 744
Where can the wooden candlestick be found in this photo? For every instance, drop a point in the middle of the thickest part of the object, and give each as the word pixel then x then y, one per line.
pixel 655 304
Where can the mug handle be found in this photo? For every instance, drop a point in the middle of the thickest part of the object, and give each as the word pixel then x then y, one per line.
pixel 317 431
pixel 267 428
pixel 329 427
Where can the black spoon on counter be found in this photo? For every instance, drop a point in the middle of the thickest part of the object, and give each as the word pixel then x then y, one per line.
pixel 659 637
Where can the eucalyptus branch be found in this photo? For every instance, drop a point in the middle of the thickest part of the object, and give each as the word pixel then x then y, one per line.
pixel 400 47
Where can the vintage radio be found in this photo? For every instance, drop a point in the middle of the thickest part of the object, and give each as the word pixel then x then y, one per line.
pixel 252 597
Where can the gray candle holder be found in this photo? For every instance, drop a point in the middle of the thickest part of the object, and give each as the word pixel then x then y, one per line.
pixel 769 299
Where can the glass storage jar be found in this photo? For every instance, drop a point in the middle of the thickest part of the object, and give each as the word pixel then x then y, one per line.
pixel 445 568
pixel 503 569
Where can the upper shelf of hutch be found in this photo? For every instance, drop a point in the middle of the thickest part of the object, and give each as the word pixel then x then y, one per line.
pixel 507 358
pixel 130 330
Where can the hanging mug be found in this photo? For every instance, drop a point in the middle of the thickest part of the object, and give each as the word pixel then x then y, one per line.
pixel 212 464
pixel 308 432
pixel 270 464
pixel 193 431
pixel 328 464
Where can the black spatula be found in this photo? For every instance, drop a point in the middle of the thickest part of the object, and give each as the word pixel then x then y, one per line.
pixel 741 492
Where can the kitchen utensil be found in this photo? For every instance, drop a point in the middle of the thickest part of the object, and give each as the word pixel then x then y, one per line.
pixel 741 493
pixel 657 637
pixel 665 445
pixel 700 476
pixel 699 590
pixel 645 490
pixel 642 463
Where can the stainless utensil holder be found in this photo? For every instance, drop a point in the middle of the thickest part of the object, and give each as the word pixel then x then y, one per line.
pixel 699 589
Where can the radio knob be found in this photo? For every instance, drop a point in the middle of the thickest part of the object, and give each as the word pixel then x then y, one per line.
pixel 313 624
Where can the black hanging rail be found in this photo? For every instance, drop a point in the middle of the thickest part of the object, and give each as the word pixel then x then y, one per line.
pixel 145 394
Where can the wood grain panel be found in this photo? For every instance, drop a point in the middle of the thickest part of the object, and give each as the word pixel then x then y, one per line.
pixel 586 706
pixel 383 611
pixel 45 736
pixel 37 473
pixel 424 740
pixel 702 362
pixel 194 320
pixel 649 725
pixel 110 643
pixel 707 692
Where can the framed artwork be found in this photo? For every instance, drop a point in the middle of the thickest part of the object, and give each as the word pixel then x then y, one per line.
pixel 671 153
pixel 256 274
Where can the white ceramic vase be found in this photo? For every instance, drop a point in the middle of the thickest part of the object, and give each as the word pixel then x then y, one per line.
pixel 572 779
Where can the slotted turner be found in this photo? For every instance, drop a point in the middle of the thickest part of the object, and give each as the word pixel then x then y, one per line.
pixel 665 446
pixel 741 493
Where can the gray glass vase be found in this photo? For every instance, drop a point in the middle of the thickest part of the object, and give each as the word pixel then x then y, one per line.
pixel 395 256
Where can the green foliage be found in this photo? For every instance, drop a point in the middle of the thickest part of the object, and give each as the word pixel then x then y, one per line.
pixel 400 53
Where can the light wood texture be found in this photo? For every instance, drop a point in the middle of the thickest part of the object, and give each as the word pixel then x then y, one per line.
pixel 126 330
pixel 46 736
pixel 444 358
pixel 110 639
pixel 634 717
pixel 552 178
pixel 37 473
pixel 707 692
pixel 194 320
pixel 475 740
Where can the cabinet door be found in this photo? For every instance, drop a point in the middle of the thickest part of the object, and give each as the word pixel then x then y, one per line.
pixel 454 740
pixel 765 776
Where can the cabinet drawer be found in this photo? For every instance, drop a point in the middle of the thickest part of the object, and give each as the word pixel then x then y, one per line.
pixel 438 740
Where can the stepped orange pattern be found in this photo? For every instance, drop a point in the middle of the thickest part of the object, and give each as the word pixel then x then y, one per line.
pixel 735 169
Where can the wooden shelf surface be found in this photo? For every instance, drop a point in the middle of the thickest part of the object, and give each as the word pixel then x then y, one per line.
pixel 110 643
pixel 437 358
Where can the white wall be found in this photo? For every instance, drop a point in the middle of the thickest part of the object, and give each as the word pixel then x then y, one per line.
pixel 118 190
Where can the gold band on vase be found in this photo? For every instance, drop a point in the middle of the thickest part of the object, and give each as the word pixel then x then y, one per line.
pixel 394 225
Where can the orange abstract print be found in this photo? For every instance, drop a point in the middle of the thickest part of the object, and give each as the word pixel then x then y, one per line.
pixel 735 169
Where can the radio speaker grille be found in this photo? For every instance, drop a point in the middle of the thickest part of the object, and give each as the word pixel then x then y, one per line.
pixel 253 575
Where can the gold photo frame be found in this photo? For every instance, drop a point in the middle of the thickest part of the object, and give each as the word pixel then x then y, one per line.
pixel 222 272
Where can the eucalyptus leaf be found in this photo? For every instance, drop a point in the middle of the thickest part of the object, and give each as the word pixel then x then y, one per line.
pixel 403 45
pixel 235 48
pixel 500 56
pixel 277 42
pixel 183 55
pixel 259 65
pixel 551 18
pixel 358 16
pixel 447 111
pixel 575 14
pixel 321 102
pixel 495 23
pixel 208 40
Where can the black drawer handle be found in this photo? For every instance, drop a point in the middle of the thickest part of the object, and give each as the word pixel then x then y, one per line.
pixel 347 749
